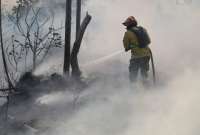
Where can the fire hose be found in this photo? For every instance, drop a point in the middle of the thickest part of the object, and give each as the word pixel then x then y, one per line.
pixel 153 67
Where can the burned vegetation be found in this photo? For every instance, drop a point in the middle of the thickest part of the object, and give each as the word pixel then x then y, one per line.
pixel 34 34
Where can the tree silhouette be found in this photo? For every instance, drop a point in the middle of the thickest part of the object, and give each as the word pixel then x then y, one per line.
pixel 72 57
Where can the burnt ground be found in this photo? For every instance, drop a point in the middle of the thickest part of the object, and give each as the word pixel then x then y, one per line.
pixel 25 113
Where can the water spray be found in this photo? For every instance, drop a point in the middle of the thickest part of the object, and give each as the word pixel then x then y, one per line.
pixel 105 58
pixel 102 59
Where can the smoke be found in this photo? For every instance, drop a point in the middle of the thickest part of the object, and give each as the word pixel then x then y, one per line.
pixel 171 26
pixel 112 105
pixel 170 110
pixel 116 108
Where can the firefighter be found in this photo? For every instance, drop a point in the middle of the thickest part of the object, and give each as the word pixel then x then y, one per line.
pixel 136 40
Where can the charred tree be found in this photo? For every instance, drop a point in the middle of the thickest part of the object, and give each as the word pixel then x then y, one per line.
pixel 66 67
pixel 78 17
pixel 10 85
pixel 33 39
pixel 76 72
pixel 71 58
pixel 3 53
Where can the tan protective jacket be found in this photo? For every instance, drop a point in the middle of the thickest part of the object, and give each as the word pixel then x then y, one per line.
pixel 130 39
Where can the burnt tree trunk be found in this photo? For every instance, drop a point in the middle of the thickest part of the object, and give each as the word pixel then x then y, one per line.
pixel 10 84
pixel 76 72
pixel 34 58
pixel 66 68
pixel 3 53
pixel 78 17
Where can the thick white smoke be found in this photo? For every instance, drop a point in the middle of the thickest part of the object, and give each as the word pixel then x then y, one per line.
pixel 171 25
pixel 112 105
pixel 116 108
pixel 171 110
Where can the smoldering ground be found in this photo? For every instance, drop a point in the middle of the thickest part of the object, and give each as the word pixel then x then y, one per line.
pixel 112 105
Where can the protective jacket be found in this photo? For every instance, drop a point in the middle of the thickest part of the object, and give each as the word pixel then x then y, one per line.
pixel 131 43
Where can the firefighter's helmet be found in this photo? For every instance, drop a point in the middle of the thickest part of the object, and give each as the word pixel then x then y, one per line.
pixel 130 21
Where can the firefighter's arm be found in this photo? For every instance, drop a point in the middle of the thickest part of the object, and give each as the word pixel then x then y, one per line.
pixel 130 41
pixel 126 42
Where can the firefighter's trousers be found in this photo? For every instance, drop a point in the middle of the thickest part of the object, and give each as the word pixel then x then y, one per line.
pixel 139 64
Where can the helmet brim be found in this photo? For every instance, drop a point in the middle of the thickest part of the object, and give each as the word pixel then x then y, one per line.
pixel 124 23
